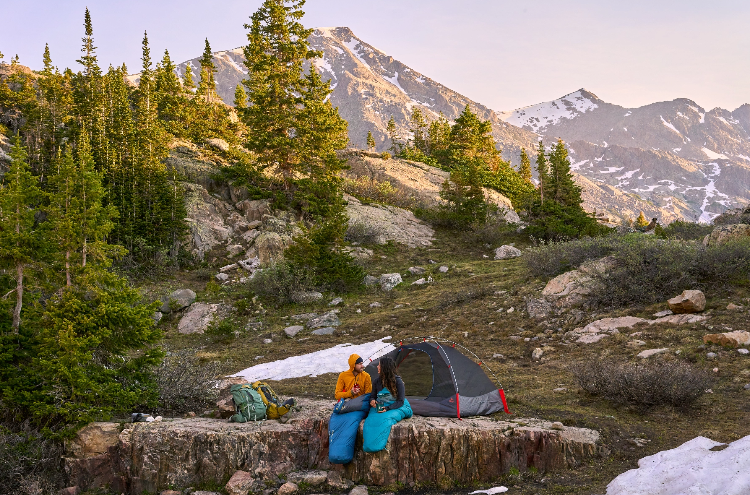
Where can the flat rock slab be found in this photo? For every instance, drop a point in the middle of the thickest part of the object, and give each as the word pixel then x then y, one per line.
pixel 149 457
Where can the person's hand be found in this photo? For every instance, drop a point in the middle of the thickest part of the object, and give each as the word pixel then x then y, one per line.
pixel 373 403
pixel 356 389
pixel 381 410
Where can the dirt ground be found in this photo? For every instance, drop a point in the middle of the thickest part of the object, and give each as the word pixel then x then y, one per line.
pixel 470 304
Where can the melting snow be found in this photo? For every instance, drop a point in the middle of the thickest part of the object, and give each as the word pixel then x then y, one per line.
pixel 394 80
pixel 628 114
pixel 667 124
pixel 577 165
pixel 628 175
pixel 332 360
pixel 491 491
pixel 691 468
pixel 549 113
pixel 675 150
pixel 724 120
pixel 611 170
pixel 712 155
pixel 355 47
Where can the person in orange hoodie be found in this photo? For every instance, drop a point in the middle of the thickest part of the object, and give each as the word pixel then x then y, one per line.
pixel 354 382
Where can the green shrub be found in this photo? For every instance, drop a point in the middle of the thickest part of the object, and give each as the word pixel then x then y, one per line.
pixel 278 281
pixel 686 231
pixel 364 233
pixel 385 155
pixel 371 190
pixel 646 384
pixel 186 385
pixel 29 462
pixel 552 258
pixel 726 264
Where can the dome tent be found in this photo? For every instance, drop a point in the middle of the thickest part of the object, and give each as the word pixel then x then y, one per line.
pixel 442 381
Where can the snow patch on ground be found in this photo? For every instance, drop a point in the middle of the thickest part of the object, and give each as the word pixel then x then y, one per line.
pixel 491 491
pixel 667 124
pixel 628 175
pixel 691 468
pixel 549 113
pixel 712 155
pixel 331 360
pixel 611 170
pixel 394 80
pixel 628 114
pixel 577 165
pixel 356 47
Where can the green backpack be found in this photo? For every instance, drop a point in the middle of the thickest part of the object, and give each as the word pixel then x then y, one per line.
pixel 247 403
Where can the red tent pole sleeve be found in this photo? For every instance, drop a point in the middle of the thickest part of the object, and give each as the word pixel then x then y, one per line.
pixel 502 398
pixel 458 406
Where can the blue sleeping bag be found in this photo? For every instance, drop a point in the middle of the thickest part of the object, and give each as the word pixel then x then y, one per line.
pixel 342 430
pixel 377 427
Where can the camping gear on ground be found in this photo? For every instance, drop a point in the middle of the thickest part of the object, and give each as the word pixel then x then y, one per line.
pixel 248 404
pixel 442 381
pixel 343 427
pixel 378 425
pixel 275 409
pixel 141 418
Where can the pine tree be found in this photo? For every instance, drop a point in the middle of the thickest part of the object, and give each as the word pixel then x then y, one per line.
pixel 542 169
pixel 472 138
pixel 438 139
pixel 89 92
pixel 524 169
pixel 562 186
pixel 418 130
pixel 20 236
pixel 396 144
pixel 187 78
pixel 240 98
pixel 370 141
pixel 207 85
pixel 641 221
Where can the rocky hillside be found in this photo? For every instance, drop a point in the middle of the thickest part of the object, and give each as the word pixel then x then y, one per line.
pixel 691 162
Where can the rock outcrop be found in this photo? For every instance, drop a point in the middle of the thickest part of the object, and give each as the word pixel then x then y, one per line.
pixel 724 233
pixel 597 330
pixel 733 339
pixel 690 301
pixel 389 223
pixel 148 457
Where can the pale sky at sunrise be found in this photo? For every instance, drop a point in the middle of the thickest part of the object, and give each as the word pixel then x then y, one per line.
pixel 503 54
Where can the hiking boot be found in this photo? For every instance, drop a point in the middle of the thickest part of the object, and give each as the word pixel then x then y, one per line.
pixel 289 403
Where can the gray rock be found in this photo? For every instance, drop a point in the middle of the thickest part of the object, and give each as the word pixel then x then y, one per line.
pixel 293 330
pixel 235 250
pixel 507 252
pixel 250 264
pixel 369 280
pixel 651 352
pixel 306 297
pixel 536 354
pixel 251 234
pixel 336 301
pixel 254 210
pixel 359 490
pixel 422 281
pixel 711 355
pixel 287 489
pixel 747 386
pixel 204 492
pixel 538 308
pixel 328 319
pixel 666 312
pixel 228 268
pixel 416 270
pixel 390 280
pixel 222 277
pixel 197 318
pixel 218 143
pixel 311 478
pixel 375 304
pixel 157 316
pixel 178 300
pixel 690 301
pixel 359 253
pixel 443 269
pixel 304 316
pixel 324 331
pixel 742 350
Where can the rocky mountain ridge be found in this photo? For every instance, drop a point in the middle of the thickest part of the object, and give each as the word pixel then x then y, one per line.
pixel 692 162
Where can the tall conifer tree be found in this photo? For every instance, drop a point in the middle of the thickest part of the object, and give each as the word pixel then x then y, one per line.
pixel 524 169
pixel 542 169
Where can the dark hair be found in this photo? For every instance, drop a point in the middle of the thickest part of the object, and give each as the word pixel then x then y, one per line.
pixel 388 374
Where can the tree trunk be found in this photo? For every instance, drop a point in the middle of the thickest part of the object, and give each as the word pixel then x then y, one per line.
pixel 19 297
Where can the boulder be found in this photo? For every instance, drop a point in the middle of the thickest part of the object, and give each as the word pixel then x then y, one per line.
pixel 287 489
pixel 329 319
pixel 416 270
pixel 422 281
pixel 254 209
pixel 310 478
pixel 390 223
pixel 359 253
pixel 734 339
pixel 359 490
pixel 293 330
pixel 370 280
pixel 250 264
pixel 269 246
pixel 652 352
pixel 218 144
pixel 597 330
pixel 690 301
pixel 221 277
pixel 235 250
pixel 184 452
pixel 538 308
pixel 336 301
pixel 725 233
pixel 205 220
pixel 443 269
pixel 306 297
pixel 198 318
pixel 536 354
pixel 571 288
pixel 507 252
pixel 237 222
pixel 324 331
pixel 177 300
pixel 390 280
pixel 240 483
pixel 250 235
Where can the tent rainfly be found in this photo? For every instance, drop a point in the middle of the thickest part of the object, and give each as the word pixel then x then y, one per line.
pixel 441 381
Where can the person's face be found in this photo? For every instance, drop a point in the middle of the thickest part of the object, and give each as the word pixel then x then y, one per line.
pixel 378 367
pixel 359 367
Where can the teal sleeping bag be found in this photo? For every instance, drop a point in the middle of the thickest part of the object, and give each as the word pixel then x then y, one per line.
pixel 378 426
pixel 342 430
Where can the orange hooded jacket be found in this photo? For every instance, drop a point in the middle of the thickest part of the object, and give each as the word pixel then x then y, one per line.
pixel 346 381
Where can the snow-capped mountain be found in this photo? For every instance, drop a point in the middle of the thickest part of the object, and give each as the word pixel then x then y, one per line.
pixel 675 154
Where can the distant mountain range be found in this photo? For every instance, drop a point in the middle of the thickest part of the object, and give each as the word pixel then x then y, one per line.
pixel 671 160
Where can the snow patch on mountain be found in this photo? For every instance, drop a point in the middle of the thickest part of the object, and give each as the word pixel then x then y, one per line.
pixel 394 80
pixel 539 116
pixel 668 125
pixel 712 155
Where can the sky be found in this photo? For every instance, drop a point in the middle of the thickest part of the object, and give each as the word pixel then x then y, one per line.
pixel 503 54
